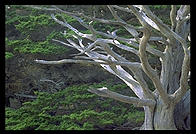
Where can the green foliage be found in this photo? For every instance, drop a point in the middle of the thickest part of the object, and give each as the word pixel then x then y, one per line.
pixel 12 16
pixel 89 118
pixel 30 23
pixel 8 55
pixel 69 19
pixel 27 20
pixel 73 108
pixel 136 116
pixel 34 20
pixel 42 47
pixel 158 6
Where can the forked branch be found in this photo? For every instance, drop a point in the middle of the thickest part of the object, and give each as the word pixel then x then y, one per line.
pixel 148 69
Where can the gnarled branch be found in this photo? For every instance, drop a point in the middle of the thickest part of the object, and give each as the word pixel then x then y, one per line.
pixel 104 92
pixel 148 69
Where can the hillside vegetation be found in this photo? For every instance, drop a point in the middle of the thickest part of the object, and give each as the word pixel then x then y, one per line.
pixel 74 108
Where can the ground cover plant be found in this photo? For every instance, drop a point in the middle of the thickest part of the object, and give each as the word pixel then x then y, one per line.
pixel 74 108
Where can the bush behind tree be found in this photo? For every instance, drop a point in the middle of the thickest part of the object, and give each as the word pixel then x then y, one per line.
pixel 73 108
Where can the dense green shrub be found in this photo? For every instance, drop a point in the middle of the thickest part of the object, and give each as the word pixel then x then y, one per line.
pixel 27 20
pixel 30 23
pixel 73 108
pixel 41 47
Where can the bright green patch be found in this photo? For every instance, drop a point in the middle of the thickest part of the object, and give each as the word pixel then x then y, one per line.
pixel 8 55
pixel 28 46
pixel 31 23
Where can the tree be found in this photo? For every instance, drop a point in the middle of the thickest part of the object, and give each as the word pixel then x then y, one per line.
pixel 164 106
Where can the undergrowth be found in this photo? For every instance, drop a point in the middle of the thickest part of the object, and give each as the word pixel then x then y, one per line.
pixel 73 108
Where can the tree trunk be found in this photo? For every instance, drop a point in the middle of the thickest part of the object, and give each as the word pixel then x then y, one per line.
pixel 163 116
pixel 182 109
pixel 182 113
pixel 175 116
pixel 168 118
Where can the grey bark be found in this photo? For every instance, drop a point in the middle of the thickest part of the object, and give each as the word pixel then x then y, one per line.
pixel 163 116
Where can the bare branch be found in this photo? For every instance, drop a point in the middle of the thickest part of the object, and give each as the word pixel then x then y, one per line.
pixel 133 43
pixel 128 27
pixel 139 77
pixel 131 29
pixel 68 61
pixel 135 69
pixel 166 66
pixel 47 80
pixel 40 8
pixel 183 12
pixel 184 79
pixel 115 14
pixel 104 92
pixel 183 15
pixel 122 8
pixel 173 16
pixel 66 44
pixel 122 74
pixel 97 62
pixel 126 77
pixel 139 16
pixel 164 28
pixel 148 69
pixel 115 42
pixel 88 36
pixel 186 62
